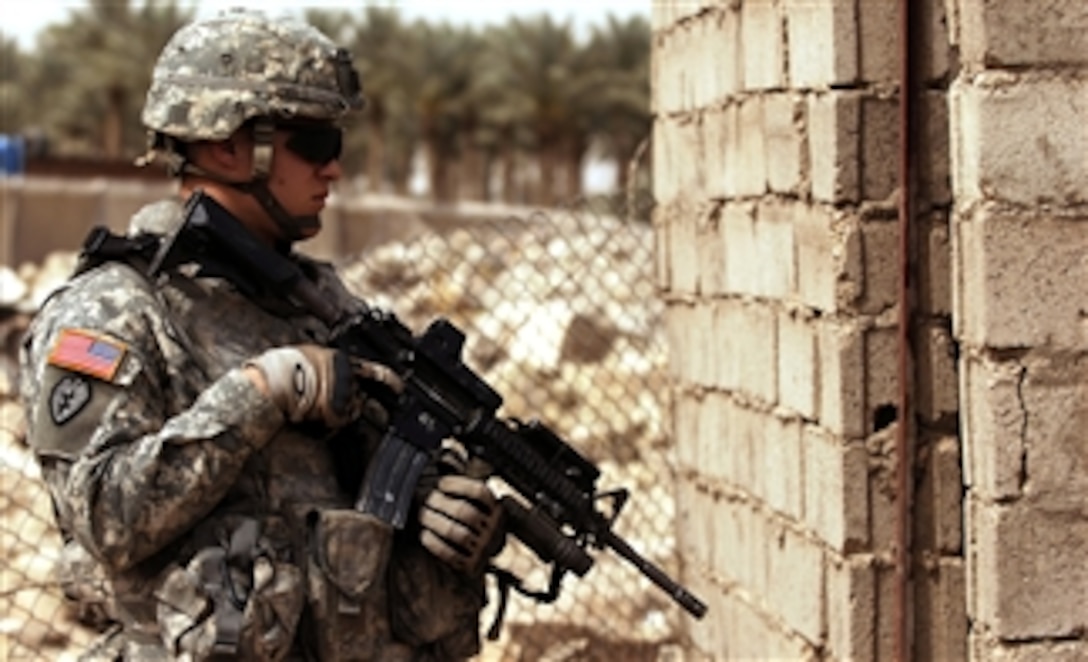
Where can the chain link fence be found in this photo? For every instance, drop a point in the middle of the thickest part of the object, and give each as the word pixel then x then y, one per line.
pixel 562 318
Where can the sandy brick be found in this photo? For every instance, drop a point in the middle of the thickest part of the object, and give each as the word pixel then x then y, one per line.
pixel 939 499
pixel 665 186
pixel 703 344
pixel 1030 576
pixel 883 491
pixel 751 172
pixel 763 45
pixel 881 373
pixel 738 225
pixel 798 376
pixel 783 486
pixel 878 39
pixel 729 352
pixel 1033 651
pixel 935 260
pixel 759 249
pixel 828 251
pixel 886 610
pixel 936 384
pixel 851 613
pixel 774 262
pixel 880 257
pixel 710 238
pixel 823 42
pixel 694 533
pixel 759 368
pixel 1054 393
pixel 713 35
pixel 834 146
pixel 683 250
pixel 747 429
pixel 993 427
pixel 795 590
pixel 722 42
pixel 661 14
pixel 711 636
pixel 665 78
pixel 879 148
pixel 934 172
pixel 1008 142
pixel 755 636
pixel 710 443
pixel 785 141
pixel 842 378
pixel 720 139
pixel 689 417
pixel 741 556
pixel 940 611
pixel 994 34
pixel 662 247
pixel 836 490
pixel 1023 280
pixel 723 455
pixel 684 361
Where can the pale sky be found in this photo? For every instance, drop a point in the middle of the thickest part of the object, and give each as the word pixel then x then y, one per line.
pixel 28 18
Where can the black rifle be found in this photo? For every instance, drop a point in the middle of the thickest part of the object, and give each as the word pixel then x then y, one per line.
pixel 442 399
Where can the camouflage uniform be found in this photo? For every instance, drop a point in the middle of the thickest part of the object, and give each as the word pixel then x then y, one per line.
pixel 217 528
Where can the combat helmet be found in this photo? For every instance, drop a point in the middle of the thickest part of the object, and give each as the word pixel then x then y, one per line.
pixel 214 75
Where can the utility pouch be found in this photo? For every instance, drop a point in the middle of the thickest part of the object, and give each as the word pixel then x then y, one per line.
pixel 346 586
pixel 232 601
pixel 434 606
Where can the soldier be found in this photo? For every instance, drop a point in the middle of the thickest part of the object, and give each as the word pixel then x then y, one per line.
pixel 190 429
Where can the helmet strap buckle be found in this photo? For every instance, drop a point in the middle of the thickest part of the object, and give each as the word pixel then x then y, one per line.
pixel 263 131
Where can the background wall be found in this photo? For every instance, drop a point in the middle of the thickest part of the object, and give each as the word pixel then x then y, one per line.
pixel 776 172
pixel 39 215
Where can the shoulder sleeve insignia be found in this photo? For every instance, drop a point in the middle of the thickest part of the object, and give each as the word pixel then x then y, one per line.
pixel 68 397
pixel 87 353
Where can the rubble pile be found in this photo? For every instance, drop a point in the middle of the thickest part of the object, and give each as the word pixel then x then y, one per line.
pixel 560 316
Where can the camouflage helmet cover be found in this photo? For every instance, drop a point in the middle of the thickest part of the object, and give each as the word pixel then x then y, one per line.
pixel 215 74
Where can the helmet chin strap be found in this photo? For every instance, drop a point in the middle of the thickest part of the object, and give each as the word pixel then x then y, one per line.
pixel 293 228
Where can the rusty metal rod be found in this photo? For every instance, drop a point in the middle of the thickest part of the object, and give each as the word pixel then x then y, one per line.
pixel 909 88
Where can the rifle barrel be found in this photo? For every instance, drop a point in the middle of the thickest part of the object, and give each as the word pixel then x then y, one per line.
pixel 681 595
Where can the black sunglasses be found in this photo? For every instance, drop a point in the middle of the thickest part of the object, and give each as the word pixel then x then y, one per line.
pixel 314 143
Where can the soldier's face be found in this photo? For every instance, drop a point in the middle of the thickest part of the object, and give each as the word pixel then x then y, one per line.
pixel 305 164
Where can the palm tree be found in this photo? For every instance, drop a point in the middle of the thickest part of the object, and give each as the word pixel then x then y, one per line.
pixel 93 71
pixel 445 106
pixel 383 46
pixel 543 73
pixel 505 110
pixel 619 56
pixel 13 71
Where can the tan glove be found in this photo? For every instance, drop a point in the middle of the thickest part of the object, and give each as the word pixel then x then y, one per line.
pixel 462 523
pixel 311 383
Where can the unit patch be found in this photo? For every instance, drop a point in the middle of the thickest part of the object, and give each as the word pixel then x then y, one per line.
pixel 68 397
pixel 88 353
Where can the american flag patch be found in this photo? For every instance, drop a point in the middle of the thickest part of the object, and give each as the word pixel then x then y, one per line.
pixel 87 353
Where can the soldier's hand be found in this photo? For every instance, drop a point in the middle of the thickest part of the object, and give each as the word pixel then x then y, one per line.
pixel 462 523
pixel 311 383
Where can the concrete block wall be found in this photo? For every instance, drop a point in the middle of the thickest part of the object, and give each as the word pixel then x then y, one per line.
pixel 776 171
pixel 1019 130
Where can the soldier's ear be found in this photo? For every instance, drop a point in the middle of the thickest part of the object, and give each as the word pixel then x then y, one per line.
pixel 231 157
